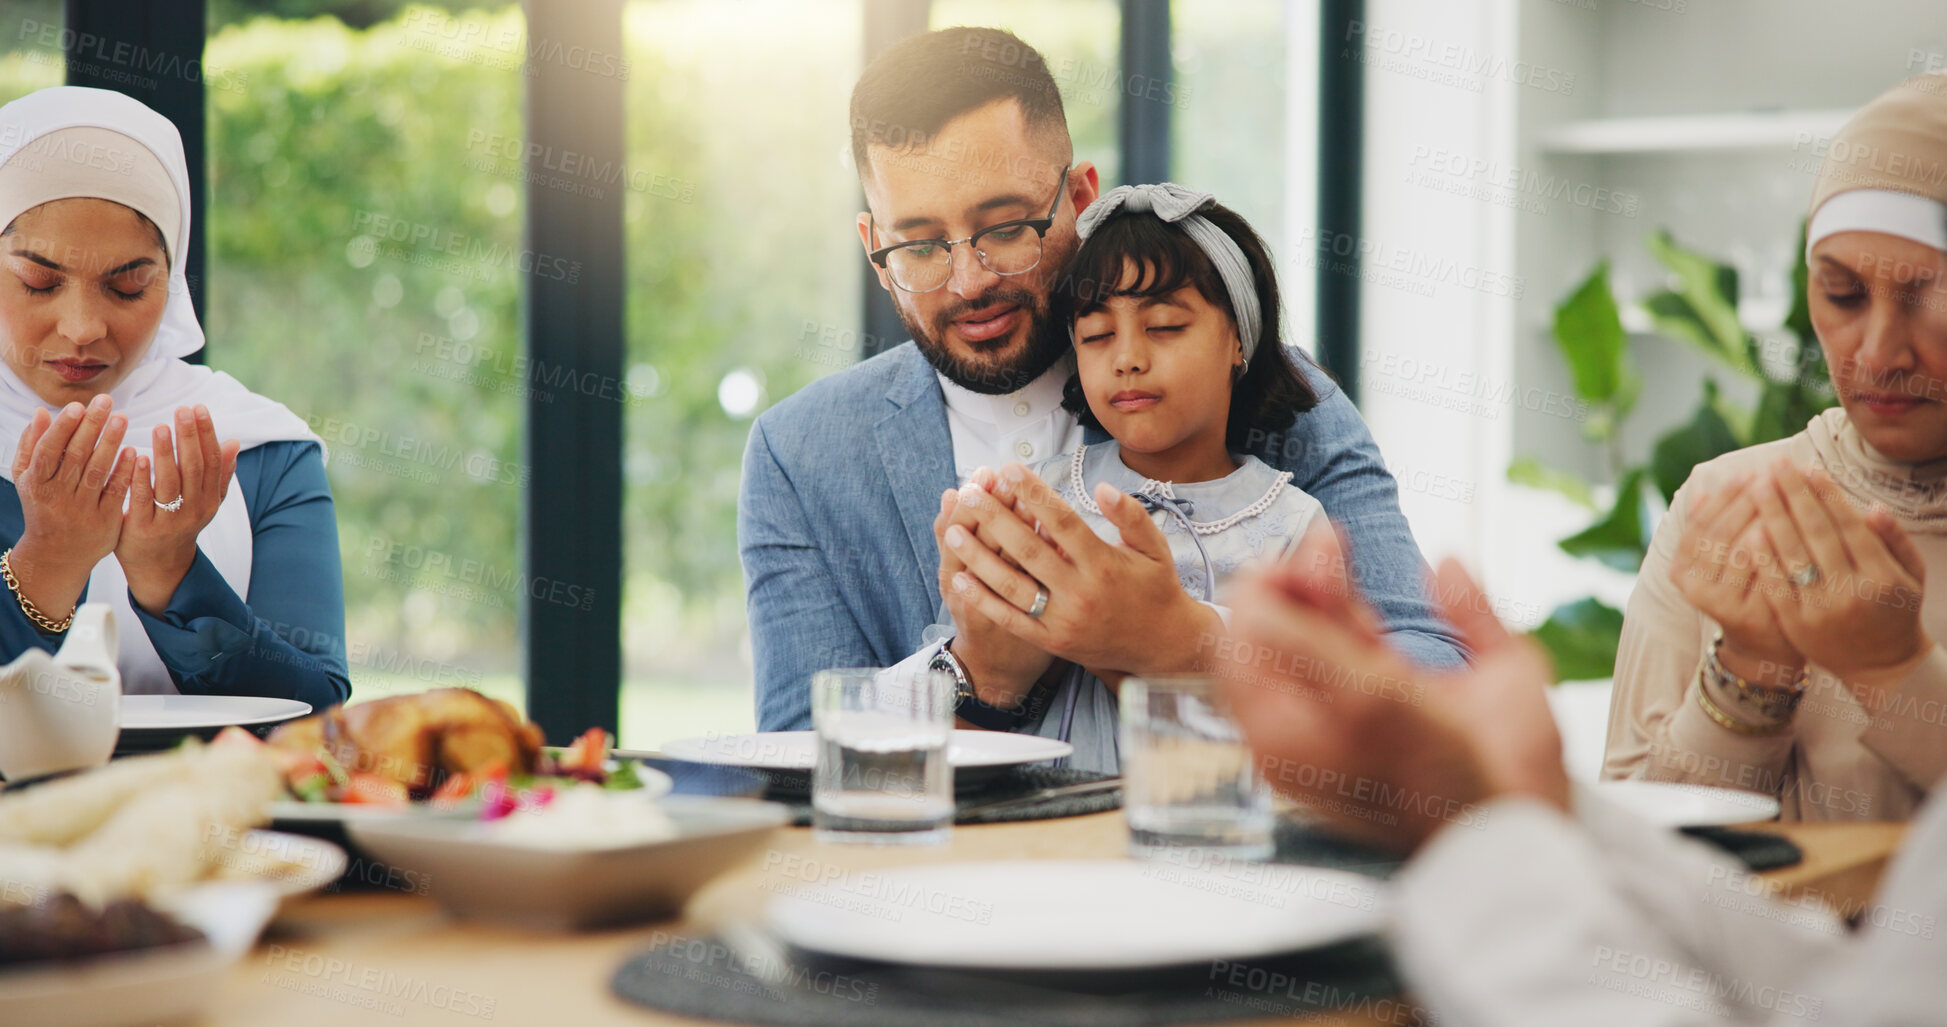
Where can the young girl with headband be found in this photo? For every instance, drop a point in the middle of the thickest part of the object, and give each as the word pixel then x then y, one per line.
pixel 1175 321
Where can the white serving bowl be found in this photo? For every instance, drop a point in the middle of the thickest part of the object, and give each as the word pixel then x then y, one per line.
pixel 472 873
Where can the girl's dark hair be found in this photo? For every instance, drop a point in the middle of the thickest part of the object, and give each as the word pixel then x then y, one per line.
pixel 1271 394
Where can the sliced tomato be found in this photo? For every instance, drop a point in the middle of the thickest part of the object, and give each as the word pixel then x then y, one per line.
pixel 372 790
pixel 455 788
pixel 294 764
pixel 461 785
pixel 586 754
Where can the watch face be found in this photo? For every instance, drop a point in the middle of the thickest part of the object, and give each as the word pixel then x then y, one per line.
pixel 962 688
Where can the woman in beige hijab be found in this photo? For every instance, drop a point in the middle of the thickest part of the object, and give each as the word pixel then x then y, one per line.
pixel 1780 639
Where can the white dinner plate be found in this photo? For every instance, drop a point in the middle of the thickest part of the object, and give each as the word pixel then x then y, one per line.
pixel 1674 804
pixel 293 864
pixel 151 723
pixel 798 750
pixel 205 712
pixel 473 872
pixel 159 985
pixel 1076 915
pixel 293 812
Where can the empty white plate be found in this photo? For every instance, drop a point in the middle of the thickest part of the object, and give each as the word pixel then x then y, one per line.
pixel 798 750
pixel 1076 915
pixel 294 864
pixel 205 712
pixel 152 722
pixel 1675 804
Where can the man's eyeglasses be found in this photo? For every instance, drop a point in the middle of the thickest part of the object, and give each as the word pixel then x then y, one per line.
pixel 1009 248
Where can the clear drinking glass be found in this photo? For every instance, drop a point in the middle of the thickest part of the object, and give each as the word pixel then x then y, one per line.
pixel 882 776
pixel 1188 779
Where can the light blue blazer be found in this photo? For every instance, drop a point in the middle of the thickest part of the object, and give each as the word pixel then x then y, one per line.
pixel 843 479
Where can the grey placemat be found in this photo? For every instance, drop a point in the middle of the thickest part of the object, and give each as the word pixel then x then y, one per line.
pixel 1017 781
pixel 1303 844
pixel 703 977
pixel 707 978
pixel 1757 850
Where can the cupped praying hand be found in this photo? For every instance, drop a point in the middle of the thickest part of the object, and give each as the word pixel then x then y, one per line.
pixel 84 495
pixel 191 475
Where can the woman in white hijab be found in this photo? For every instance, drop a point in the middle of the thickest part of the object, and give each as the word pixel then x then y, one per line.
pixel 220 558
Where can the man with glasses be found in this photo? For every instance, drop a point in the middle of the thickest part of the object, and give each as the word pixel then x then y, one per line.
pixel 969 175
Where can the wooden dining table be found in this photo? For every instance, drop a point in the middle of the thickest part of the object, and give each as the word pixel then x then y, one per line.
pixel 393 957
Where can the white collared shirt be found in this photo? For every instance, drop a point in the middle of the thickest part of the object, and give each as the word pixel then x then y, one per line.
pixel 1025 426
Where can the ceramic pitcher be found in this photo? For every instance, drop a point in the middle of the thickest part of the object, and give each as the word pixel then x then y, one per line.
pixel 62 712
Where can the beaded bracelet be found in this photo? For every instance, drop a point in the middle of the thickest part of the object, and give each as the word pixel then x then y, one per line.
pixel 1771 703
pixel 1728 722
pixel 1775 707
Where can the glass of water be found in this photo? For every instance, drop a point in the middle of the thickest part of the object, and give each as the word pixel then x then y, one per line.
pixel 1188 780
pixel 882 776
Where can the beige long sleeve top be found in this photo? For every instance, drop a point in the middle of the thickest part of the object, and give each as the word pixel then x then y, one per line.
pixel 1840 759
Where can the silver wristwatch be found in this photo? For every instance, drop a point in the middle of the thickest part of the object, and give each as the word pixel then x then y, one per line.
pixel 967 704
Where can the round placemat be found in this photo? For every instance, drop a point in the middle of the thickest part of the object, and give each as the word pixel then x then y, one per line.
pixel 1757 850
pixel 1014 783
pixel 707 978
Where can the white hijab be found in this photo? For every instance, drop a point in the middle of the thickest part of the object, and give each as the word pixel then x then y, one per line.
pixel 71 141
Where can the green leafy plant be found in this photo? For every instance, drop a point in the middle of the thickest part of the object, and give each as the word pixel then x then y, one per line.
pixel 1698 307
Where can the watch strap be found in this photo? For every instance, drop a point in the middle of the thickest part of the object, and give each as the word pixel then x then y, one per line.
pixel 967 704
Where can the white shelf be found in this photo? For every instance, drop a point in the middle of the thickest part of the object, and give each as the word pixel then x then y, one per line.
pixel 1692 132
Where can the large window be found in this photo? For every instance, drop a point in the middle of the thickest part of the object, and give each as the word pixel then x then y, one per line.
pixel 367 181
pixel 365 257
pixel 31 53
pixel 743 285
pixel 1080 40
pixel 1227 104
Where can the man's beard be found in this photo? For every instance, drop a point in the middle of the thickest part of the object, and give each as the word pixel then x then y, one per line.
pixel 991 376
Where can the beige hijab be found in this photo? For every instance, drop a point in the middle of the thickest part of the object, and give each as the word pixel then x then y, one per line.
pixel 1886 171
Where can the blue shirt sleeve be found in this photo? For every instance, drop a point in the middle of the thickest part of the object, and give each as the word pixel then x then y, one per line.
pixel 287 640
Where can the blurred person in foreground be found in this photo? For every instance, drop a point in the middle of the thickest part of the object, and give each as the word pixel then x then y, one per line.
pixel 1526 901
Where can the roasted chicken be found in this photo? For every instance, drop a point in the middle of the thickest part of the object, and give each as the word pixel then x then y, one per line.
pixel 418 740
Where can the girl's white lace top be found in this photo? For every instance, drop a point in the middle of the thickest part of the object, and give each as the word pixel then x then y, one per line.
pixel 1253 513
